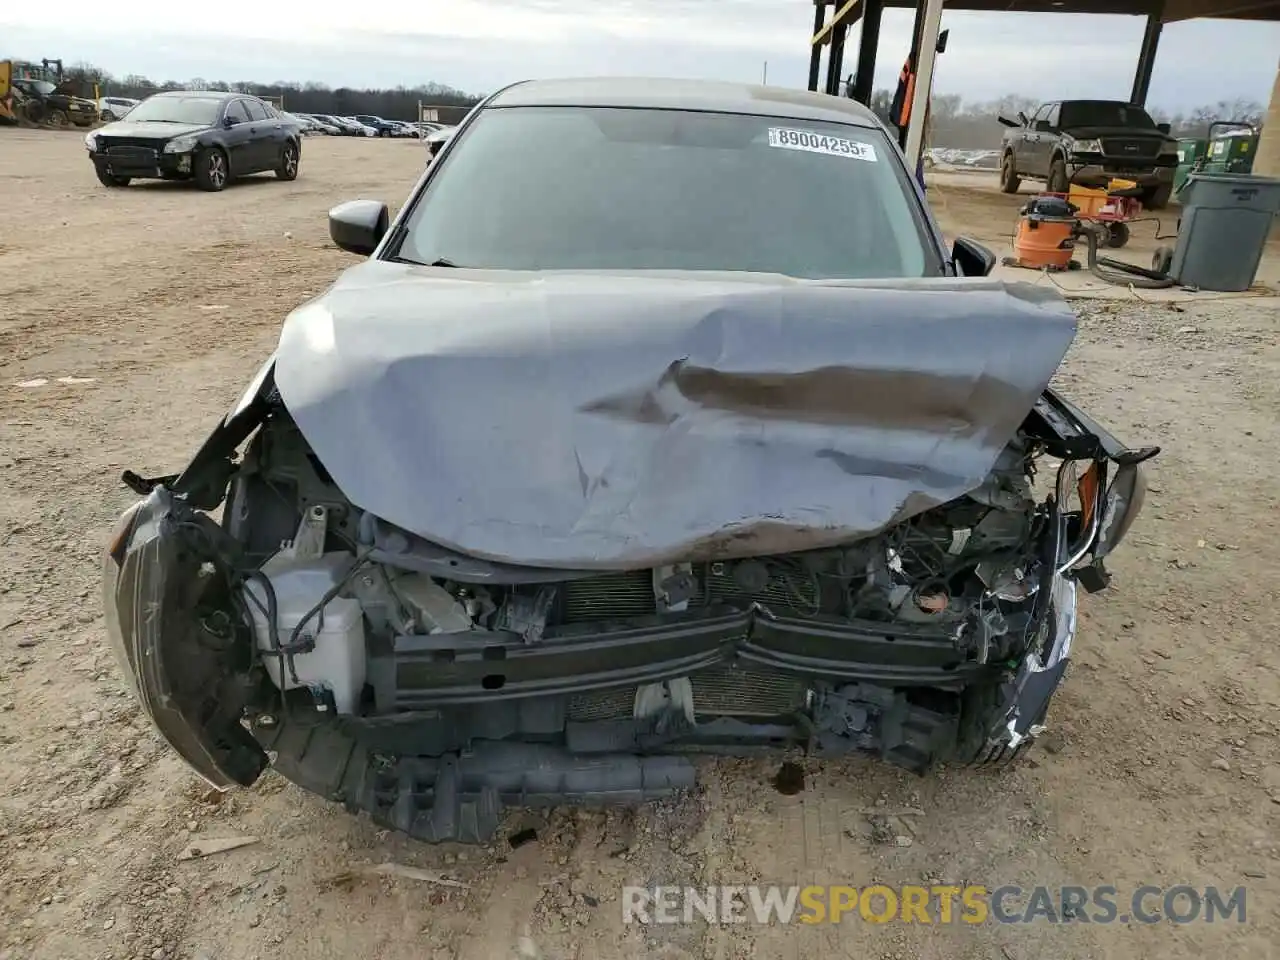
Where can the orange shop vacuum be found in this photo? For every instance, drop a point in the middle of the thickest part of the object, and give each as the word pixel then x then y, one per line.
pixel 1046 235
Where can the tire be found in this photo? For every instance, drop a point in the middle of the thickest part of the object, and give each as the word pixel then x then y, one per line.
pixel 211 170
pixel 287 167
pixel 1117 235
pixel 1059 182
pixel 1157 198
pixel 107 179
pixel 59 118
pixel 1009 179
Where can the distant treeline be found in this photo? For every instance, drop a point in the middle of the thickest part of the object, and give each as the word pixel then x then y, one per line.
pixel 399 103
pixel 973 126
pixel 953 122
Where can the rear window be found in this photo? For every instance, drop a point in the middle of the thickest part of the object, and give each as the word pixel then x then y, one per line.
pixel 551 188
pixel 1104 113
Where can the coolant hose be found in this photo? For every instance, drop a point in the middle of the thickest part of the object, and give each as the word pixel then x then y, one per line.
pixel 1121 273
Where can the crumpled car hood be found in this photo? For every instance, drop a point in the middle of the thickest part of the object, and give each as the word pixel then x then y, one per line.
pixel 605 421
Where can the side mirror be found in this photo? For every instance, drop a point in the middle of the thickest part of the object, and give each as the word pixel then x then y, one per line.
pixel 1043 126
pixel 229 122
pixel 358 226
pixel 1163 127
pixel 971 258
pixel 941 46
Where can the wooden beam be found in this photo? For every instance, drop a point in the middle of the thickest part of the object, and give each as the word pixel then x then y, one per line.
pixel 823 36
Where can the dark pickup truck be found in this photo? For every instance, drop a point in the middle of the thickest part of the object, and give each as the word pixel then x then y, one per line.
pixel 1089 142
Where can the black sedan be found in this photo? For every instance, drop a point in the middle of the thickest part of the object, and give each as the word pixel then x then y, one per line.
pixel 208 137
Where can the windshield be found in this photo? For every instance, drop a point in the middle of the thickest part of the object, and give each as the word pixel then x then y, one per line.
pixel 629 189
pixel 201 110
pixel 1104 113
pixel 42 87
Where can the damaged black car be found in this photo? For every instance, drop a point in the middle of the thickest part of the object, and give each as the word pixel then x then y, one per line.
pixel 689 435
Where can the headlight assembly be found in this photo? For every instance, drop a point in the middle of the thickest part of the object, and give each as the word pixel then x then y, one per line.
pixel 1087 146
pixel 180 145
pixel 91 142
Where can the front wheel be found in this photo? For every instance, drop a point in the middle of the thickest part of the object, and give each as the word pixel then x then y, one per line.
pixel 59 118
pixel 211 170
pixel 1058 180
pixel 287 168
pixel 1009 179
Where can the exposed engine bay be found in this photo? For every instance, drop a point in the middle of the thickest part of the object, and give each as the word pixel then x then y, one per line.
pixel 969 569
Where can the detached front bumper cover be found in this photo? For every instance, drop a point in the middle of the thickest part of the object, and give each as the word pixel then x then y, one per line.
pixel 152 585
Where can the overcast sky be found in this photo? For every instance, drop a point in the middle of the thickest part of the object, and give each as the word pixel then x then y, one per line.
pixel 478 45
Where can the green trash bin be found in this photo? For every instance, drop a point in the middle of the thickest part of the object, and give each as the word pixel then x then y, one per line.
pixel 1190 151
pixel 1226 218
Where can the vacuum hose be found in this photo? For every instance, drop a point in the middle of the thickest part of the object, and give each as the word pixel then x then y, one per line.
pixel 1119 272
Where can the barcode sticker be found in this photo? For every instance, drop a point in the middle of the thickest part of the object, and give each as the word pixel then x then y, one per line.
pixel 820 143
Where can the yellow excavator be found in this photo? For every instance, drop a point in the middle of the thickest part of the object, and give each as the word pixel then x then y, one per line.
pixel 38 93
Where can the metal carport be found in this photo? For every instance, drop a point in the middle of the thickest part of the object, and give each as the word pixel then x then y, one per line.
pixel 833 31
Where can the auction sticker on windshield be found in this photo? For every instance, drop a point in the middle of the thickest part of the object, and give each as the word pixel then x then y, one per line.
pixel 820 143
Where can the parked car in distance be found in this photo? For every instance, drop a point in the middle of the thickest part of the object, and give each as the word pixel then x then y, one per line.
pixel 208 137
pixel 361 129
pixel 331 124
pixel 404 129
pixel 115 108
pixel 522 515
pixel 308 124
pixel 436 140
pixel 1089 142
pixel 385 128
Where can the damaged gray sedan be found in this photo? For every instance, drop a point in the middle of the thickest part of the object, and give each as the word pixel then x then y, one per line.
pixel 686 435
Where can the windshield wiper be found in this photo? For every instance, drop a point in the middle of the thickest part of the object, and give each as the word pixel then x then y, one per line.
pixel 442 262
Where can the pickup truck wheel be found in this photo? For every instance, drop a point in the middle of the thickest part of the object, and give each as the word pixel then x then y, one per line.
pixel 59 118
pixel 1058 181
pixel 1157 198
pixel 1009 179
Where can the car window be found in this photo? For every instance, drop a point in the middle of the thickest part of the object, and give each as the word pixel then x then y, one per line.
pixel 1104 113
pixel 629 189
pixel 256 109
pixel 237 112
pixel 1052 116
pixel 1041 114
pixel 169 109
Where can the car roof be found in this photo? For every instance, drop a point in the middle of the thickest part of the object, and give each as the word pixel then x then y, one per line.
pixel 204 94
pixel 715 96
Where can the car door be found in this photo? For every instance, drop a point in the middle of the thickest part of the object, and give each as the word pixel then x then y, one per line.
pixel 1034 160
pixel 264 135
pixel 237 137
pixel 1050 137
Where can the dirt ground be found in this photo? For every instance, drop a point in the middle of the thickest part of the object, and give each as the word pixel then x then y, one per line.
pixel 129 322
